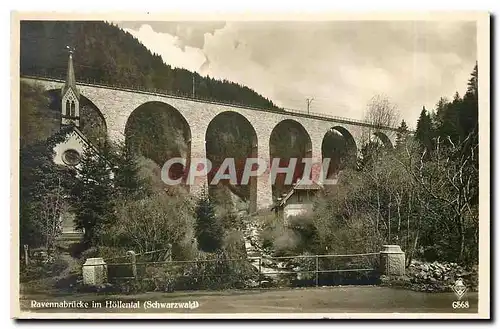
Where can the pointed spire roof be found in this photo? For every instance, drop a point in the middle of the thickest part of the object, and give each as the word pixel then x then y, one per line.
pixel 70 76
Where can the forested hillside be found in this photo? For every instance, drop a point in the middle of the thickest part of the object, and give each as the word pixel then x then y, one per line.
pixel 107 54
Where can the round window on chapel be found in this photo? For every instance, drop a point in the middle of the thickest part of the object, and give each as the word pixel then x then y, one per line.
pixel 71 157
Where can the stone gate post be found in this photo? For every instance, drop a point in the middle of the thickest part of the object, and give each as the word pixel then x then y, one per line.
pixel 392 261
pixel 95 272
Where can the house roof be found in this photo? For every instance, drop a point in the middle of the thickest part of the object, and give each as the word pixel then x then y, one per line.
pixel 304 185
pixel 300 185
pixel 82 136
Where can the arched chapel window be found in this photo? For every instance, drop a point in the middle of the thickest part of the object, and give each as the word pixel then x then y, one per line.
pixel 67 108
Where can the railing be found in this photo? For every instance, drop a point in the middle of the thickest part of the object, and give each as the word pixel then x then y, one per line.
pixel 302 270
pixel 336 118
pixel 180 95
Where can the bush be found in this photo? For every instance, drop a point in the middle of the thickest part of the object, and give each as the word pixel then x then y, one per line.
pixel 153 223
pixel 58 266
pixel 115 254
pixel 277 238
pixel 338 233
pixel 162 277
pixel 34 273
pixel 42 266
pixel 208 271
pixel 216 273
pixel 234 244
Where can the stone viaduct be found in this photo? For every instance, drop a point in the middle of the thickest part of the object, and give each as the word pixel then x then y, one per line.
pixel 117 104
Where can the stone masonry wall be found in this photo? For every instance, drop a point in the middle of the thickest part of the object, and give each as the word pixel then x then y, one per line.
pixel 117 105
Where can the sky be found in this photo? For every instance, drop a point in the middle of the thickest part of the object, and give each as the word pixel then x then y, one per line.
pixel 341 64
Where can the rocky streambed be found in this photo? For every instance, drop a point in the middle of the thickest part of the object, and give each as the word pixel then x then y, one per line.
pixel 434 277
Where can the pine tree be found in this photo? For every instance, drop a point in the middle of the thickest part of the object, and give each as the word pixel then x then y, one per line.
pixel 456 108
pixel 402 133
pixel 472 85
pixel 424 132
pixel 209 231
pixel 448 119
pixel 127 182
pixel 92 194
pixel 439 112
pixel 469 111
pixel 39 178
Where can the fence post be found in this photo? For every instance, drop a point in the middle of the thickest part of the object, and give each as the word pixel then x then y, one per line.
pixel 260 270
pixel 26 256
pixel 317 270
pixel 131 253
pixel 169 252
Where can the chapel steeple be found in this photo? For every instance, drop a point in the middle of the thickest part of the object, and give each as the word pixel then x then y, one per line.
pixel 70 101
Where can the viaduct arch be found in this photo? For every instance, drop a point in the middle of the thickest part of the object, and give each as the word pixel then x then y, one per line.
pixel 169 136
pixel 221 135
pixel 289 142
pixel 340 147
